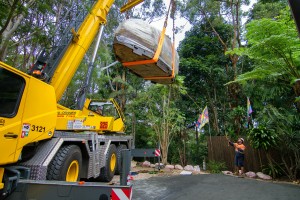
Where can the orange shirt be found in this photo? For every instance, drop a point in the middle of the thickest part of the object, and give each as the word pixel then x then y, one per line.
pixel 239 146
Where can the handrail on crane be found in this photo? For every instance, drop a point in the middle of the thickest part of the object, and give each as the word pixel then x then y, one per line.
pixel 130 4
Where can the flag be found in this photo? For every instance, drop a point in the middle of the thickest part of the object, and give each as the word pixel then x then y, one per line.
pixel 249 112
pixel 198 123
pixel 204 117
pixel 249 108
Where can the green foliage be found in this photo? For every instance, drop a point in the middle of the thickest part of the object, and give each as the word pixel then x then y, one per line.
pixel 238 118
pixel 198 152
pixel 203 63
pixel 145 137
pixel 277 170
pixel 286 123
pixel 262 138
pixel 267 9
pixel 275 46
pixel 236 51
pixel 152 9
pixel 185 149
pixel 215 166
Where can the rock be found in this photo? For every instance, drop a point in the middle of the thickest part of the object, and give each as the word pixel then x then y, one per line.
pixel 263 176
pixel 189 168
pixel 133 163
pixel 178 167
pixel 146 164
pixel 227 172
pixel 197 168
pixel 152 166
pixel 186 173
pixel 169 166
pixel 160 165
pixel 250 174
pixel 167 169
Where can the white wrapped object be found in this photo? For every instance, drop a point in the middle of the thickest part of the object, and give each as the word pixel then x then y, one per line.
pixel 136 40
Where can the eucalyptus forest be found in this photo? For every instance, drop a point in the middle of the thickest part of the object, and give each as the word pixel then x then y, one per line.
pixel 228 55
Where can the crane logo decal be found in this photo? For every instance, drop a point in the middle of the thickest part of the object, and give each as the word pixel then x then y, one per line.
pixel 25 130
pixel 103 125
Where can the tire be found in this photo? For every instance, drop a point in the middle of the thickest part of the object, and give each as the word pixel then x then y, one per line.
pixel 119 159
pixel 66 165
pixel 108 172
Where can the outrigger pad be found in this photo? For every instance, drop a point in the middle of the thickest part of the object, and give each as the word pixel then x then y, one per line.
pixel 136 40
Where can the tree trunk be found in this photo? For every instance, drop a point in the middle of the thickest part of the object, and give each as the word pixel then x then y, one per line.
pixel 133 128
pixel 214 112
pixel 11 26
pixel 164 153
pixel 182 154
pixel 123 97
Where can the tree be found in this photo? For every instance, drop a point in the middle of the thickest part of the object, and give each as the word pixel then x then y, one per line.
pixel 266 9
pixel 285 126
pixel 275 47
pixel 278 129
pixel 264 138
pixel 158 102
pixel 203 63
pixel 11 20
pixel 221 22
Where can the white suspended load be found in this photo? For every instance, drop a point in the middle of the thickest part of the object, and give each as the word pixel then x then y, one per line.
pixel 135 44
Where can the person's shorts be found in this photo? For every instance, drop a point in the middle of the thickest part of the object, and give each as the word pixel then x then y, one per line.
pixel 239 160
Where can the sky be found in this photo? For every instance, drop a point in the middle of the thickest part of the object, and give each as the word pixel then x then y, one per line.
pixel 179 21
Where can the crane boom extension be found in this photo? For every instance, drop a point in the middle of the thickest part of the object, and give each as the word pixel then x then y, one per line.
pixel 81 42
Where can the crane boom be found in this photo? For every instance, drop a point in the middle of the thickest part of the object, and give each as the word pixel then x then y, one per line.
pixel 81 42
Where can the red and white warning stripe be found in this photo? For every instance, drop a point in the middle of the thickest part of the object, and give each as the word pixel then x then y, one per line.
pixel 121 194
pixel 157 152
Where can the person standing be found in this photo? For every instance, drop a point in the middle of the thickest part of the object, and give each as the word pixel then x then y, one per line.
pixel 239 157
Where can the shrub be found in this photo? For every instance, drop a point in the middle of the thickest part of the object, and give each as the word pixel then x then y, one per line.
pixel 215 166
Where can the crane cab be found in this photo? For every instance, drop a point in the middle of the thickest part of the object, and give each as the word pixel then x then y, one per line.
pixel 102 116
pixel 27 112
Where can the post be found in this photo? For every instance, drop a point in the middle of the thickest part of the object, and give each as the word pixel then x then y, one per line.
pixel 211 147
pixel 158 157
pixel 197 136
pixel 125 166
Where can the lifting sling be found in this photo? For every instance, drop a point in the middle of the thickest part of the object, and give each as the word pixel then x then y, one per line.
pixel 159 48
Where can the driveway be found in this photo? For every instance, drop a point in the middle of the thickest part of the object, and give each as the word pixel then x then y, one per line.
pixel 211 187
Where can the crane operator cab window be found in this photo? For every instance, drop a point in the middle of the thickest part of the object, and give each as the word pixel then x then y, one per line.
pixel 11 90
pixel 106 109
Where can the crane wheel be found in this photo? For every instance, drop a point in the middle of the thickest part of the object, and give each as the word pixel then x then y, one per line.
pixel 66 164
pixel 119 158
pixel 108 171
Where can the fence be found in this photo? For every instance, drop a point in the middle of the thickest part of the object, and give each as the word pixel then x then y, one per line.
pixel 219 150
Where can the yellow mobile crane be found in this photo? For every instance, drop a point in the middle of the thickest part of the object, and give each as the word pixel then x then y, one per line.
pixel 42 140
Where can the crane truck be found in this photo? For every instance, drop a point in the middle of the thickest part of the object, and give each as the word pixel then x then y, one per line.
pixel 43 140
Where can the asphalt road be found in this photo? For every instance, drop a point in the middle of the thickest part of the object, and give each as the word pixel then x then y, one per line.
pixel 211 187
